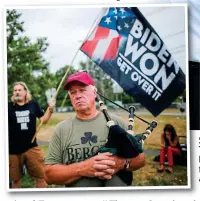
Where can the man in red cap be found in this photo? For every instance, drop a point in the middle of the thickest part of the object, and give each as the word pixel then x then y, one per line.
pixel 71 159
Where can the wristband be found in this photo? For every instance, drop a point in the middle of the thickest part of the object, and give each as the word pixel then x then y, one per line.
pixel 127 164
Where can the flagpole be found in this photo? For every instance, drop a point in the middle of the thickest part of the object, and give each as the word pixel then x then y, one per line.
pixel 58 89
pixel 63 78
pixel 64 100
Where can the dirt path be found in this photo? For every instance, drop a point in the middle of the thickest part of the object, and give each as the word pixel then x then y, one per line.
pixel 45 134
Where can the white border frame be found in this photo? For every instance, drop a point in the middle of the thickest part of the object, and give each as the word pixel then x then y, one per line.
pixel 118 4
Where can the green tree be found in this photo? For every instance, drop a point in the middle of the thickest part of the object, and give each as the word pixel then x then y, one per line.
pixel 62 94
pixel 25 59
pixel 126 98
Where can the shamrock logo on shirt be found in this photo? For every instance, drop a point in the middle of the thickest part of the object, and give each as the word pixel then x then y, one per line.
pixel 89 138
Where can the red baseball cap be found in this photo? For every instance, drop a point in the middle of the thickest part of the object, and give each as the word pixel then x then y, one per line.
pixel 82 77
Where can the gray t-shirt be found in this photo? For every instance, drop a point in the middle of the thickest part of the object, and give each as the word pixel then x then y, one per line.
pixel 75 140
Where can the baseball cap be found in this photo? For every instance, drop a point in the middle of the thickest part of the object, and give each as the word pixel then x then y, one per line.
pixel 82 77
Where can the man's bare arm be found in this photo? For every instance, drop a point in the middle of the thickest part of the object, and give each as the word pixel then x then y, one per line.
pixel 135 163
pixel 66 174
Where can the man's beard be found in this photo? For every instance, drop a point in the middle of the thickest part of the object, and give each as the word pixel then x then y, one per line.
pixel 18 99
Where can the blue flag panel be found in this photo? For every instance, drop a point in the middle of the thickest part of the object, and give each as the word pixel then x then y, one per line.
pixel 130 51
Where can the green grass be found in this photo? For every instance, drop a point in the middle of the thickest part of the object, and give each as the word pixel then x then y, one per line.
pixel 28 182
pixel 153 140
pixel 146 176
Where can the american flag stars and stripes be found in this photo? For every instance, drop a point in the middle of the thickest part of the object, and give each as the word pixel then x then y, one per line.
pixel 129 50
pixel 104 42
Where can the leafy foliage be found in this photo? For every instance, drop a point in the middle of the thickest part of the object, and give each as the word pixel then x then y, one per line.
pixel 25 59
pixel 62 94
pixel 26 62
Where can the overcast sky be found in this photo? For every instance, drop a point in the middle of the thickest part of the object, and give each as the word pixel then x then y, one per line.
pixel 193 25
pixel 67 27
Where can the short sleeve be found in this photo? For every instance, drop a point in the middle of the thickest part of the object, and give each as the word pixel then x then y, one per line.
pixel 118 120
pixel 39 111
pixel 54 155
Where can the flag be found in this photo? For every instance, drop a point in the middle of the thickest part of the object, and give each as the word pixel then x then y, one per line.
pixel 130 51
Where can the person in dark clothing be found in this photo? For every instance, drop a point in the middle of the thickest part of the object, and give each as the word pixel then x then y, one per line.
pixel 22 115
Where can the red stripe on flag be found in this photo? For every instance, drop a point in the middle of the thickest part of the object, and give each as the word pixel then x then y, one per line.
pixel 112 50
pixel 89 46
